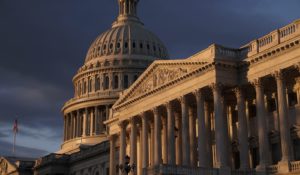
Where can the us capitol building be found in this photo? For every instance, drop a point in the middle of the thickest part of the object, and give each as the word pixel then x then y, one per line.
pixel 222 111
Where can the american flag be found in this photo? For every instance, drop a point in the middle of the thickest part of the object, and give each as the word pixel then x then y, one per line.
pixel 15 128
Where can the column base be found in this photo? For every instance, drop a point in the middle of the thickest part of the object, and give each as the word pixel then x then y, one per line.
pixel 284 166
pixel 261 168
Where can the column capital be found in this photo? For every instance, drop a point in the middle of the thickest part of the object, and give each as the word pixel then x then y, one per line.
pixel 257 82
pixel 239 91
pixel 155 110
pixel 168 105
pixel 143 115
pixel 278 75
pixel 216 86
pixel 132 120
pixel 122 124
pixel 198 93
pixel 297 66
pixel 182 99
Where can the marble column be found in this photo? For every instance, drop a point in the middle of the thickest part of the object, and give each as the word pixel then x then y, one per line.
pixel 202 139
pixel 65 128
pixel 171 135
pixel 74 125
pixel 96 123
pixel 112 164
pixel 71 125
pixel 261 126
pixel 152 141
pixel 242 129
pixel 164 141
pixel 122 151
pixel 133 142
pixel 185 132
pixel 284 125
pixel 77 124
pixel 157 136
pixel 192 135
pixel 178 139
pixel 207 116
pixel 92 122
pixel 101 126
pixel 84 122
pixel 220 128
pixel 145 152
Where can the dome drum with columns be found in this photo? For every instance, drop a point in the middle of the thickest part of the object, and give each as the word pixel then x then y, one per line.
pixel 113 62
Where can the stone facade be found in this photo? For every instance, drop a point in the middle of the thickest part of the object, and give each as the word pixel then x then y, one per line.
pixel 222 110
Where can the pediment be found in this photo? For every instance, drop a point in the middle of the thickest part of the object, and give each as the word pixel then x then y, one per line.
pixel 6 166
pixel 158 74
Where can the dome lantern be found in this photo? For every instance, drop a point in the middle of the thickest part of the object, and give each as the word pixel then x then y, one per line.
pixel 128 7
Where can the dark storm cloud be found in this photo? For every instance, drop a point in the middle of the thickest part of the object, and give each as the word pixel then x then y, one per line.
pixel 44 42
pixel 21 151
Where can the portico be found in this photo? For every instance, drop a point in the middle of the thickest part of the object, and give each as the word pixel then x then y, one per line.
pixel 196 112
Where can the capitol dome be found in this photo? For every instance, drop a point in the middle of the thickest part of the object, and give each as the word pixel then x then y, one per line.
pixel 113 62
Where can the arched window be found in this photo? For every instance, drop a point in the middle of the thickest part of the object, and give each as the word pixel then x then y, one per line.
pixel 125 81
pixel 106 82
pixel 116 82
pixel 126 45
pixel 84 87
pixel 97 83
pixel 133 45
pixel 79 89
pixel 90 85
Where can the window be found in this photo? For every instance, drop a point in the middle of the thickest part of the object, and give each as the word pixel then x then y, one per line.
pixel 104 46
pixel 125 81
pixel 106 82
pixel 116 82
pixel 141 45
pixel 154 48
pixel 84 87
pixel 276 153
pixel 90 85
pixel 111 46
pixel 97 83
pixel 126 45
pixel 118 45
pixel 133 45
pixel 148 46
pixel 296 149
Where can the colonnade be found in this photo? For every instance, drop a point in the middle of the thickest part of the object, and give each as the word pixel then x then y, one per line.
pixel 105 81
pixel 176 128
pixel 85 122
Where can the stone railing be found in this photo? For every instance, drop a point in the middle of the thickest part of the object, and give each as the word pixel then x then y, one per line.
pixel 180 170
pixel 273 169
pixel 274 38
pixel 295 166
pixel 247 172
pixel 93 95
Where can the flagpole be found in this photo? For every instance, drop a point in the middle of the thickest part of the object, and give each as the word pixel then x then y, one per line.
pixel 14 144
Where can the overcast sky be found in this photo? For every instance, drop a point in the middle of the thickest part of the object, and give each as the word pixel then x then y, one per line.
pixel 44 42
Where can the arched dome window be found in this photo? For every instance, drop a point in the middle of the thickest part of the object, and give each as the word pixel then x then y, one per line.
pixel 126 45
pixel 116 82
pixel 133 45
pixel 84 87
pixel 141 45
pixel 118 45
pixel 106 82
pixel 111 46
pixel 97 83
pixel 90 85
pixel 125 81
pixel 148 46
